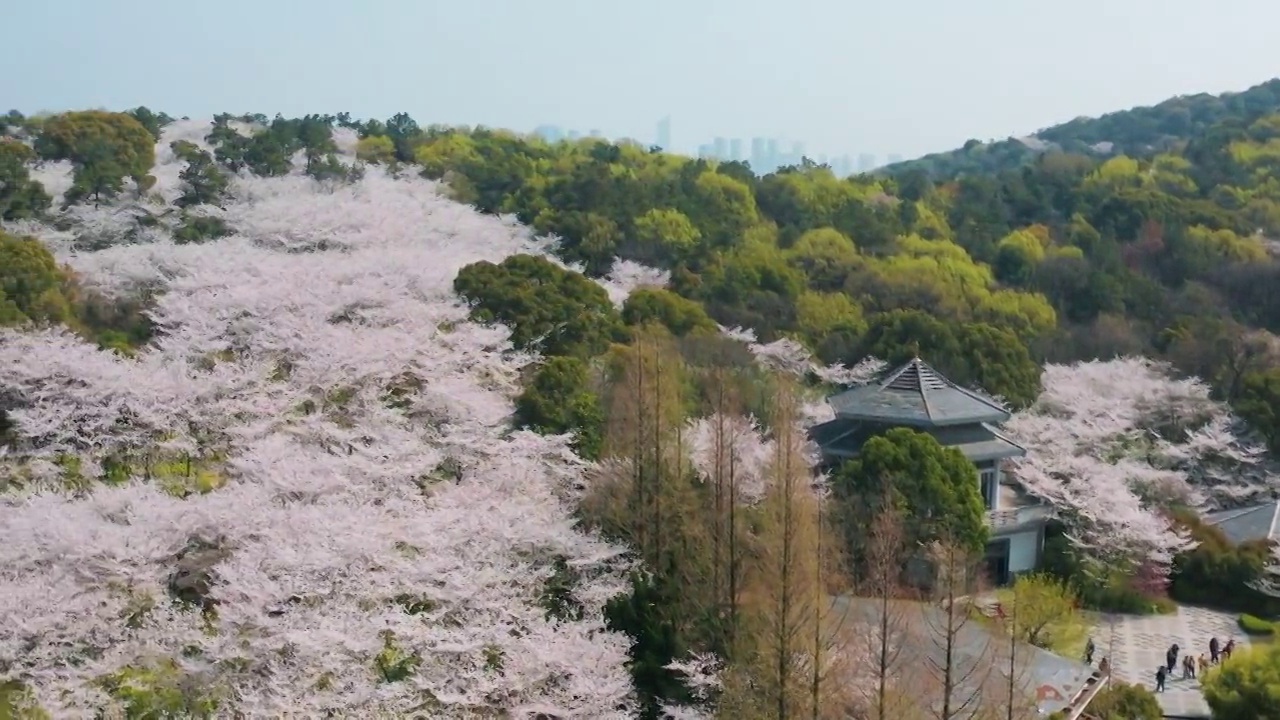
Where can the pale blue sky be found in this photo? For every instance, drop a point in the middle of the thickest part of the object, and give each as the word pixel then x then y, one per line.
pixel 906 77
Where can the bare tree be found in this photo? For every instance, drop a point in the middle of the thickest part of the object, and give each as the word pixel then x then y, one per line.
pixel 728 432
pixel 786 591
pixel 643 435
pixel 1014 662
pixel 961 658
pixel 882 587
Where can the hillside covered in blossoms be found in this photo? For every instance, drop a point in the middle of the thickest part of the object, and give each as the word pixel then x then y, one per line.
pixel 356 418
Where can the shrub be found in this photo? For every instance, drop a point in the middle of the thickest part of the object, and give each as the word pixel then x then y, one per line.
pixel 1252 625
pixel 1243 688
pixel 1118 592
pixel 1121 701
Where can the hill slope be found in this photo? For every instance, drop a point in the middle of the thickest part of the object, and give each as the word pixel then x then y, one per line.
pixel 1138 132
pixel 260 440
pixel 334 496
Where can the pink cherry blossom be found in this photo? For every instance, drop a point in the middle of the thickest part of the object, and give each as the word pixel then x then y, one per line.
pixel 366 491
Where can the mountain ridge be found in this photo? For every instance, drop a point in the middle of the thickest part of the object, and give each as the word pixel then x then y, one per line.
pixel 1137 131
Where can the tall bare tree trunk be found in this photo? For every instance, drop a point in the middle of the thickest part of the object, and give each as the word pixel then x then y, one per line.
pixel 962 673
pixel 728 432
pixel 883 560
pixel 788 597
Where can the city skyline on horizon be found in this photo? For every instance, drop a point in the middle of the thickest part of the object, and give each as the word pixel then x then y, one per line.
pixel 845 77
pixel 764 153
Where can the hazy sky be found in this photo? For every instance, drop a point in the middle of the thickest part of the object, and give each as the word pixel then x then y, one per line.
pixel 851 76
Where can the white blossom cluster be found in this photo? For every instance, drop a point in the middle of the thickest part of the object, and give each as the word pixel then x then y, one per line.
pixel 370 537
pixel 1111 444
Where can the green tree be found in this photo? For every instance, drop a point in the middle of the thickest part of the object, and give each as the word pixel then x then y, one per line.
pixel 150 120
pixel 974 355
pixel 20 196
pixel 105 148
pixel 547 307
pixel 935 485
pixel 1259 403
pixel 1121 701
pixel 1246 686
pixel 30 282
pixel 679 315
pixel 558 399
pixel 203 182
pixel 656 641
pixel 376 149
pixel 723 208
pixel 663 235
pixel 1044 613
pixel 998 362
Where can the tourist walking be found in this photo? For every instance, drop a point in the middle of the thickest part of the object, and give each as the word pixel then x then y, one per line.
pixel 1160 675
pixel 1213 650
pixel 1171 658
pixel 1204 663
pixel 1088 652
pixel 1188 667
pixel 1228 649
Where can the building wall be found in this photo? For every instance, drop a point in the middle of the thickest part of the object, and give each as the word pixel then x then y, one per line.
pixel 1024 550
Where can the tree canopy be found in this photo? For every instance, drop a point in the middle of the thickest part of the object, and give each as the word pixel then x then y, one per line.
pixel 1246 686
pixel 568 421
pixel 936 485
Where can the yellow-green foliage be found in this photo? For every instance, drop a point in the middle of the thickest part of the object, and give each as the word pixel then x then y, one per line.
pixel 1254 153
pixel 1226 245
pixel 1026 243
pixel 392 664
pixel 31 283
pixel 377 149
pixel 182 477
pixel 18 703
pixel 161 689
pixel 1118 172
pixel 820 314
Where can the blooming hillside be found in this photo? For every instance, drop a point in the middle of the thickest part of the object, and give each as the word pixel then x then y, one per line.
pixel 312 456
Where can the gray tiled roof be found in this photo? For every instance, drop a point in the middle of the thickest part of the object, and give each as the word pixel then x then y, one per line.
pixel 1053 680
pixel 1256 522
pixel 843 438
pixel 916 394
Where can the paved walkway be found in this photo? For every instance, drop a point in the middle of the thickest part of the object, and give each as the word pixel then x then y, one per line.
pixel 1139 644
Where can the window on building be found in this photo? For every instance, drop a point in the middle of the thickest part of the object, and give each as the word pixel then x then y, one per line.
pixel 990 487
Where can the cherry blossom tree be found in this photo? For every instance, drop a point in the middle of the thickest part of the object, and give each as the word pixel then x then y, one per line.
pixel 1112 444
pixel 373 538
pixel 627 276
pixel 792 358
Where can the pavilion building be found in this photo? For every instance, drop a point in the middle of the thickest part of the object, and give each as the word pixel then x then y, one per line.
pixel 918 397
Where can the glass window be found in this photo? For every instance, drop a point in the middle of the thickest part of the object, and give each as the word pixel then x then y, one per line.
pixel 989 487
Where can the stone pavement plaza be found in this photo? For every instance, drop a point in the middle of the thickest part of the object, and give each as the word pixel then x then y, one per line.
pixel 1140 643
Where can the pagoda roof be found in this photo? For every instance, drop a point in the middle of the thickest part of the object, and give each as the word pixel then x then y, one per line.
pixel 916 394
pixel 840 439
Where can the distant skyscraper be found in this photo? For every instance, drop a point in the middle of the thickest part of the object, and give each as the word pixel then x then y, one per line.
pixel 722 148
pixel 759 149
pixel 735 150
pixel 574 135
pixel 664 133
pixel 797 152
pixel 706 151
pixel 595 134
pixel 866 162
pixel 774 158
pixel 550 133
pixel 894 158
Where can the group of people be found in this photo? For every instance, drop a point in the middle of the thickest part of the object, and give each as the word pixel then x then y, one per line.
pixel 1191 666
